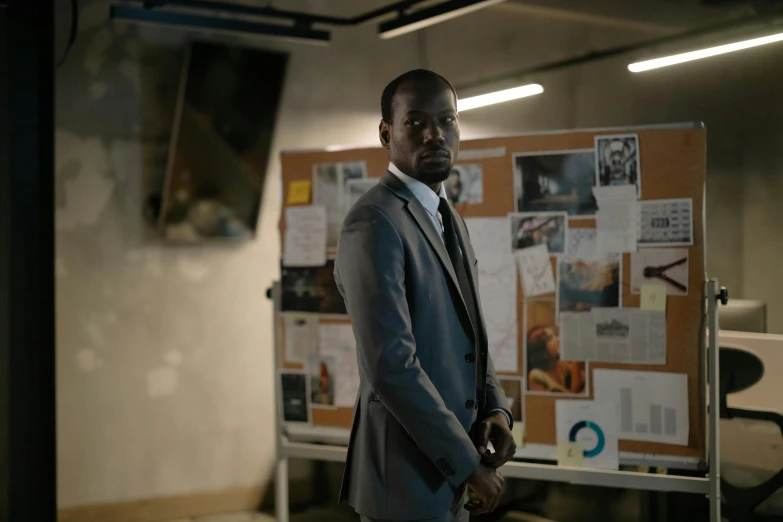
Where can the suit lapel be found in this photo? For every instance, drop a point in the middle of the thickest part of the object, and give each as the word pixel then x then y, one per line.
pixel 422 219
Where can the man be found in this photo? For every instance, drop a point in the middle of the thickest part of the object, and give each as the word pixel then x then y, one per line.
pixel 429 401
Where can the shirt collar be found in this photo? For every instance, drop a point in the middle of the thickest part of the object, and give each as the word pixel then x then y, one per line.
pixel 422 192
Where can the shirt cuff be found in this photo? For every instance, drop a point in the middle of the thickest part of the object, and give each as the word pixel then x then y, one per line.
pixel 508 416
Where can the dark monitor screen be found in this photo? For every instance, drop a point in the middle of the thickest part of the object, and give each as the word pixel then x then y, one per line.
pixel 221 142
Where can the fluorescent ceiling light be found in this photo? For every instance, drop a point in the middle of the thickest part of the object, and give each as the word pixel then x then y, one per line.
pixel 498 97
pixel 704 53
pixel 430 16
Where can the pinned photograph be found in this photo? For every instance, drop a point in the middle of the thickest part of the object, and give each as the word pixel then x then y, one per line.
pixel 311 289
pixel 661 266
pixel 665 222
pixel 293 396
pixel 465 184
pixel 329 183
pixel 545 372
pixel 617 161
pixel 356 188
pixel 512 387
pixel 587 283
pixel 555 181
pixel 321 371
pixel 542 228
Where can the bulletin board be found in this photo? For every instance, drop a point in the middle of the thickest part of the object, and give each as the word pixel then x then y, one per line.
pixel 670 165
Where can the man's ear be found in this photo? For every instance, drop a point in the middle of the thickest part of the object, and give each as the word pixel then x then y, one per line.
pixel 384 133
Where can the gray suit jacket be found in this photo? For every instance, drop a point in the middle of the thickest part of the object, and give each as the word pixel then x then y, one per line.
pixel 410 448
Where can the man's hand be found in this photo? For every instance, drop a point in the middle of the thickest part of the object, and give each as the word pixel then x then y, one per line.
pixel 495 429
pixel 486 485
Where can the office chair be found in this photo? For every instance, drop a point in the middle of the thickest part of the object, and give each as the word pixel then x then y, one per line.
pixel 739 370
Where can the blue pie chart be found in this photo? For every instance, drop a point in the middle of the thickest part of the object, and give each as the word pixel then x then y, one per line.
pixel 599 435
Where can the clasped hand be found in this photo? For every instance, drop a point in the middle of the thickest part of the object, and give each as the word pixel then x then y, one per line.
pixel 486 483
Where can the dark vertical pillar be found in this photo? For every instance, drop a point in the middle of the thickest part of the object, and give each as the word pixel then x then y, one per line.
pixel 27 353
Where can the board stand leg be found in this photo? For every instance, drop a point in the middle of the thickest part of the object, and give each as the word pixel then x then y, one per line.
pixel 281 469
pixel 714 295
pixel 281 489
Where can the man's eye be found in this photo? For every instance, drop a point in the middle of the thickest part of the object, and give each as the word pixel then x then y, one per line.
pixel 414 122
pixel 449 120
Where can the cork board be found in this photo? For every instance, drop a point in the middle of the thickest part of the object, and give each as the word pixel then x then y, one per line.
pixel 672 165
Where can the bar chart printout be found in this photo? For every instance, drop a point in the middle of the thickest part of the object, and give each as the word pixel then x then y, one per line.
pixel 653 406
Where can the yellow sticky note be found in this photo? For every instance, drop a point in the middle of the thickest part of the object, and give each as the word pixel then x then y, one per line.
pixel 653 297
pixel 299 192
pixel 570 454
pixel 517 431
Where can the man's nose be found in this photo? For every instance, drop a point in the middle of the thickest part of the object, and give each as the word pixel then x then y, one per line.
pixel 433 133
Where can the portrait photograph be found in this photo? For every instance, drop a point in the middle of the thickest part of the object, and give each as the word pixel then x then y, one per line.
pixel 293 395
pixel 617 161
pixel 465 184
pixel 584 284
pixel 543 228
pixel 311 289
pixel 545 372
pixel 320 369
pixel 555 181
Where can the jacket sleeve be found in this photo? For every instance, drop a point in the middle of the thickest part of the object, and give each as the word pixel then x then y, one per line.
pixel 496 397
pixel 370 273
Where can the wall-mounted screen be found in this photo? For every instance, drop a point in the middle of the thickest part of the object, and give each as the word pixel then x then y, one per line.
pixel 221 141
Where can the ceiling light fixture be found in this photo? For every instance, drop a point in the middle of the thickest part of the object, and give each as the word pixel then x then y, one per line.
pixel 231 25
pixel 407 23
pixel 498 97
pixel 704 53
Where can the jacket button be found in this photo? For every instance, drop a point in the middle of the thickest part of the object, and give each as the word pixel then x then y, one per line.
pixel 471 357
pixel 469 404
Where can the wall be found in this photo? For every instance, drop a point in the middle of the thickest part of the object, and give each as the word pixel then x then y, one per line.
pixel 164 362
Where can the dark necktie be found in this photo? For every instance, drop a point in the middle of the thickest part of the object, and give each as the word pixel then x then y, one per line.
pixel 457 261
pixel 453 248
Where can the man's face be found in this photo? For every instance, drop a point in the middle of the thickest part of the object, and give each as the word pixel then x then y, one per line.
pixel 423 137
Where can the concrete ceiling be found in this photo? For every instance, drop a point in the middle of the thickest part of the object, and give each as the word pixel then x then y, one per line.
pixel 659 16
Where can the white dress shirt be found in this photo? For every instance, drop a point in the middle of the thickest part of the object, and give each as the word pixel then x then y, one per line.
pixel 430 201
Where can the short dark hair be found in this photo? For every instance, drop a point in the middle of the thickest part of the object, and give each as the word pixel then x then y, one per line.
pixel 416 75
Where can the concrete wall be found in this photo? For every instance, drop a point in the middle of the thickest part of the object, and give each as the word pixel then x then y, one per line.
pixel 165 379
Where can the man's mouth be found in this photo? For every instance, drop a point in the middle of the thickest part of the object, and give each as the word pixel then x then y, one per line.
pixel 439 154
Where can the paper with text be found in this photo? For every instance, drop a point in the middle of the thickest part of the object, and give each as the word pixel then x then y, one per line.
pixel 497 274
pixel 614 335
pixel 616 219
pixel 336 340
pixel 305 236
pixel 577 336
pixel 301 337
pixel 653 406
pixel 535 269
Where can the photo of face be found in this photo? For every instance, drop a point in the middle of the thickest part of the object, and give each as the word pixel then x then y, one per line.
pixel 465 184
pixel 544 371
pixel 617 159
